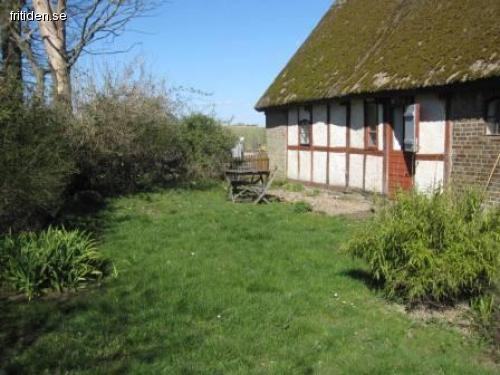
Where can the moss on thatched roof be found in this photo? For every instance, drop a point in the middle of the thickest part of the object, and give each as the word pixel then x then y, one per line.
pixel 366 46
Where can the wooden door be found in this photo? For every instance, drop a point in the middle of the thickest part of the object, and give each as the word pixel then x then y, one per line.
pixel 401 164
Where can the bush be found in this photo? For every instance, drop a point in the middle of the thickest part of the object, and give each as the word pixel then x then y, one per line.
pixel 432 248
pixel 35 164
pixel 55 259
pixel 206 146
pixel 125 139
pixel 302 207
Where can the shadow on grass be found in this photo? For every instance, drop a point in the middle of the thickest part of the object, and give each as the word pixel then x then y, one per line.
pixel 25 326
pixel 364 276
pixel 23 323
pixel 89 211
pixel 56 317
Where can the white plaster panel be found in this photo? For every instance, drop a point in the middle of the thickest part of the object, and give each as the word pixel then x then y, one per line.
pixel 356 171
pixel 374 173
pixel 293 127
pixel 293 167
pixel 357 124
pixel 337 169
pixel 380 127
pixel 320 128
pixel 320 167
pixel 432 124
pixel 429 175
pixel 305 166
pixel 338 119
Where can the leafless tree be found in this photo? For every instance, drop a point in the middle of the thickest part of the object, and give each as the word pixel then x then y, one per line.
pixel 11 57
pixel 54 46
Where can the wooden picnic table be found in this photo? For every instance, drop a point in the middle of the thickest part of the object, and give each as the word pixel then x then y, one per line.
pixel 249 179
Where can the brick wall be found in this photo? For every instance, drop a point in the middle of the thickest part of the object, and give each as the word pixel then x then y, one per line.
pixel 473 152
pixel 276 127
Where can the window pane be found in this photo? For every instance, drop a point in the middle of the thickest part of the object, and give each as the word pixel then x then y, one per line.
pixel 493 117
pixel 493 128
pixel 372 122
pixel 493 108
pixel 371 115
pixel 398 133
pixel 304 134
pixel 373 138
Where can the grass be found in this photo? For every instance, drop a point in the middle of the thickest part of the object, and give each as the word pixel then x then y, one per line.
pixel 205 286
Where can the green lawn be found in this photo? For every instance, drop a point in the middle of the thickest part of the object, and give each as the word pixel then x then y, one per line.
pixel 205 286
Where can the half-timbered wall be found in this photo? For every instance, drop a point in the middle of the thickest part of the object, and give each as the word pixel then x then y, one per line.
pixel 338 155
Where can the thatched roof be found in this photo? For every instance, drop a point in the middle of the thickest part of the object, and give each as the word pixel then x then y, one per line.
pixel 368 46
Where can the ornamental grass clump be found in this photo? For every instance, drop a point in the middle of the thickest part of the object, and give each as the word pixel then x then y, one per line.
pixel 432 248
pixel 55 260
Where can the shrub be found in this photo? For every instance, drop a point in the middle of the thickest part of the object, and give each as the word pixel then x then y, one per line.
pixel 124 140
pixel 35 164
pixel 55 259
pixel 128 138
pixel 432 248
pixel 206 146
pixel 302 207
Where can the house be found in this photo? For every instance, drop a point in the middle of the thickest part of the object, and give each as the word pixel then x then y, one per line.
pixel 389 94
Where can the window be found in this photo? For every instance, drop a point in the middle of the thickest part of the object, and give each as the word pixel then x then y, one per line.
pixel 305 126
pixel 371 120
pixel 493 117
pixel 305 132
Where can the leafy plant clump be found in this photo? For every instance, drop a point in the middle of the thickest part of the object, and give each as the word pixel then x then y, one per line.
pixel 294 188
pixel 486 314
pixel 55 259
pixel 434 248
pixel 302 207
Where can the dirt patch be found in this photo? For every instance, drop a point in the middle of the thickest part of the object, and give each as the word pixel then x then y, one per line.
pixel 457 317
pixel 328 201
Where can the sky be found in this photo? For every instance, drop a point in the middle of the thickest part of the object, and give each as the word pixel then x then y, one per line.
pixel 229 49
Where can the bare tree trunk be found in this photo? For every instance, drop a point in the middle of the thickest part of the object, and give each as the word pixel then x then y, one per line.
pixel 21 40
pixel 40 82
pixel 54 39
pixel 11 53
